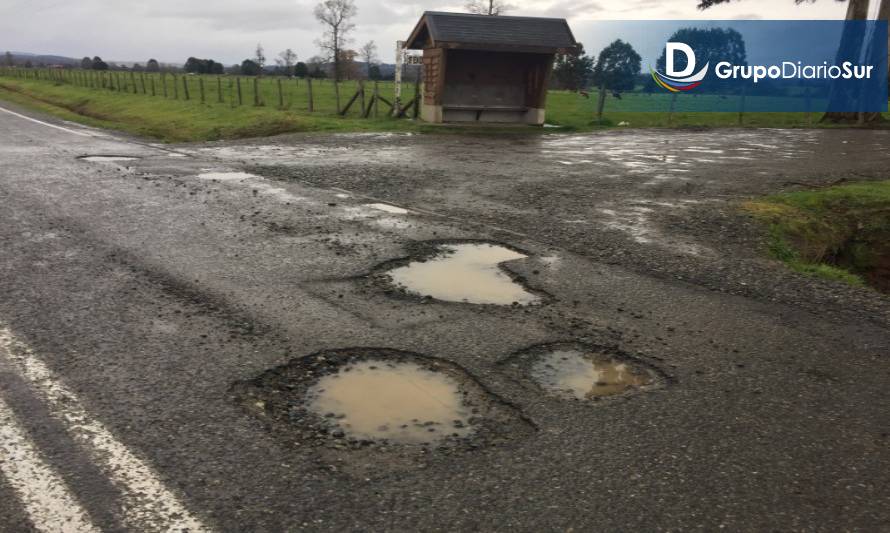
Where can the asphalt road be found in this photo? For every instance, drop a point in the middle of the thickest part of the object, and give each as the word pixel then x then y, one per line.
pixel 134 295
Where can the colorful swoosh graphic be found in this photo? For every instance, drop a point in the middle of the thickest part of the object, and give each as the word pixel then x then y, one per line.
pixel 676 85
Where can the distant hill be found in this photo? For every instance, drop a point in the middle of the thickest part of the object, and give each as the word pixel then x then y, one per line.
pixel 42 59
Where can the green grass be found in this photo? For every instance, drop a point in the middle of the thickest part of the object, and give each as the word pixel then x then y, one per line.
pixel 840 232
pixel 75 95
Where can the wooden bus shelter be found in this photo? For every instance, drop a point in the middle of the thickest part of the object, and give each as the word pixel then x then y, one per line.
pixel 479 68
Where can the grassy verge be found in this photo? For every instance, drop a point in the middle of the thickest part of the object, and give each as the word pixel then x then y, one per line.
pixel 282 108
pixel 176 120
pixel 840 233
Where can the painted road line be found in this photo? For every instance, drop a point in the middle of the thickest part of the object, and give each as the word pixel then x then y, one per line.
pixel 75 132
pixel 147 505
pixel 44 495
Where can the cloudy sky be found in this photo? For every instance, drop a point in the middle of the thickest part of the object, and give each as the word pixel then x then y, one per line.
pixel 228 30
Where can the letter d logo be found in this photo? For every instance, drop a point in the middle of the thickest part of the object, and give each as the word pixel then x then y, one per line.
pixel 669 60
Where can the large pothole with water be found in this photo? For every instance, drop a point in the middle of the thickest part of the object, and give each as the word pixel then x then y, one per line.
pixel 471 272
pixel 369 401
pixel 572 371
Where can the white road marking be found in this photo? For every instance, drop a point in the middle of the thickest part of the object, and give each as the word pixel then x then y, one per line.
pixel 47 500
pixel 147 505
pixel 75 132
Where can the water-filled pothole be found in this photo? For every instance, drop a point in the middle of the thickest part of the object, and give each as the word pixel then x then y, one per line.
pixel 107 158
pixel 577 372
pixel 400 402
pixel 584 375
pixel 377 399
pixel 467 272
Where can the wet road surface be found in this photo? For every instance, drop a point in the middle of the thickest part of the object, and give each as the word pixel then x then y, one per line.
pixel 163 319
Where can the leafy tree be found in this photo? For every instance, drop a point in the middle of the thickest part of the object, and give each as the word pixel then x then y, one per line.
pixel 203 66
pixel 98 64
pixel 286 61
pixel 374 72
pixel 336 17
pixel 8 60
pixel 349 69
pixel 616 70
pixel 301 70
pixel 573 71
pixel 249 67
pixel 487 7
pixel 152 66
pixel 617 67
pixel 86 63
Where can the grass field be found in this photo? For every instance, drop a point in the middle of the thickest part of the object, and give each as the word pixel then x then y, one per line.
pixel 840 232
pixel 197 108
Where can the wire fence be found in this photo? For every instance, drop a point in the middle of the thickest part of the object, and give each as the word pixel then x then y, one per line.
pixel 347 98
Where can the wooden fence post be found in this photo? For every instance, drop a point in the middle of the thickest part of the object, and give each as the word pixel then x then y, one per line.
pixel 337 93
pixel 256 91
pixel 417 94
pixel 309 92
pixel 151 79
pixel 201 87
pixel 280 95
pixel 133 79
pixel 164 83
pixel 376 95
pixel 361 88
pixel 219 95
pixel 671 110
pixel 240 100
pixel 185 86
pixel 742 108
pixel 600 105
pixel 175 88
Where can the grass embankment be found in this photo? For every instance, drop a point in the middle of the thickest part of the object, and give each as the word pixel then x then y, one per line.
pixel 172 120
pixel 169 117
pixel 840 232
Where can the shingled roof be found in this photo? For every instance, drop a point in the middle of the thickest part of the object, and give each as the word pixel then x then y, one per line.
pixel 483 32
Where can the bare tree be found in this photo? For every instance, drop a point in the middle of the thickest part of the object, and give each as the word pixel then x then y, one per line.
pixel 336 16
pixel 259 56
pixel 487 7
pixel 287 59
pixel 368 53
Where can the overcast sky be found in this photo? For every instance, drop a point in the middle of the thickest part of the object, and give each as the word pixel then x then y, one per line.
pixel 228 30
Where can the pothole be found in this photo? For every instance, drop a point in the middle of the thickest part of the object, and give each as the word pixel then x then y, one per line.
pixel 577 372
pixel 106 158
pixel 466 272
pixel 363 402
pixel 400 402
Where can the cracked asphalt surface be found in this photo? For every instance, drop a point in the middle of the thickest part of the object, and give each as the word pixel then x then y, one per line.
pixel 151 287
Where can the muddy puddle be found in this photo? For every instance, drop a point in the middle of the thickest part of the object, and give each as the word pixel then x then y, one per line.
pixel 106 158
pixel 399 402
pixel 577 372
pixel 464 272
pixel 376 410
pixel 584 375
